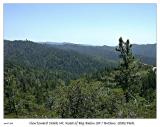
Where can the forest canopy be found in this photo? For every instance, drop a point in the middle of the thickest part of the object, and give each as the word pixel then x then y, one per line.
pixel 43 81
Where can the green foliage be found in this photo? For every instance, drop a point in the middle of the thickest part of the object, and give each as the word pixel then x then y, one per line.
pixel 128 76
pixel 41 81
pixel 41 56
pixel 146 53
pixel 87 100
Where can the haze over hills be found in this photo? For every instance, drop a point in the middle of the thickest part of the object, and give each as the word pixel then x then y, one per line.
pixel 145 52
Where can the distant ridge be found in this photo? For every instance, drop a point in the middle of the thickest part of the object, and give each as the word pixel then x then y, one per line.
pixel 145 52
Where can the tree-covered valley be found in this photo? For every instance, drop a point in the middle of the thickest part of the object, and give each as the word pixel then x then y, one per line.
pixel 43 80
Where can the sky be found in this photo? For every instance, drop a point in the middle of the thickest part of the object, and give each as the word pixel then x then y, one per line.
pixel 91 24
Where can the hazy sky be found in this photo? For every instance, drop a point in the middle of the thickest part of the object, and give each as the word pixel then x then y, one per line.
pixel 95 24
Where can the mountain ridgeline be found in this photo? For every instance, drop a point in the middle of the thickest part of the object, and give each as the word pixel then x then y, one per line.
pixel 46 57
pixel 146 53
pixel 64 80
pixel 31 52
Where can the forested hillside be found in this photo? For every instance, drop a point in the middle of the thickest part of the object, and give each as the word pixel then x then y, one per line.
pixel 41 56
pixel 145 53
pixel 44 81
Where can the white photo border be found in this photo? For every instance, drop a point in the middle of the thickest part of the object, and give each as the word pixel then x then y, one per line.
pixel 30 122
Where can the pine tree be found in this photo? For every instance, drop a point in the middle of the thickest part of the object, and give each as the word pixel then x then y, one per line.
pixel 128 77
